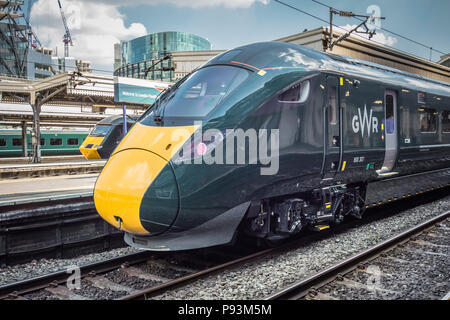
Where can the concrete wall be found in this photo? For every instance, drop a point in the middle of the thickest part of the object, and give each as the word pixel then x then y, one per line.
pixel 38 65
pixel 186 61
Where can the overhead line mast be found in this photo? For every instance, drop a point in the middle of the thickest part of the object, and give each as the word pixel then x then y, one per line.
pixel 371 33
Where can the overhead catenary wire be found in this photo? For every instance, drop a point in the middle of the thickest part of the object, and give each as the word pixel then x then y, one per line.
pixel 357 35
pixel 390 31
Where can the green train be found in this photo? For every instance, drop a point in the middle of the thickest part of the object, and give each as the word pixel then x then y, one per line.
pixel 272 138
pixel 53 142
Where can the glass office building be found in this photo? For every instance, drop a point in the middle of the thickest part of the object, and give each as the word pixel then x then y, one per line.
pixel 139 57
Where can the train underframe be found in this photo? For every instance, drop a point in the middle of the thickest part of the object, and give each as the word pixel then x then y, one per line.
pixel 280 218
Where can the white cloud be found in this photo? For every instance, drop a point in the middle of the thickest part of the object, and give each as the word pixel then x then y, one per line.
pixel 379 37
pixel 95 27
pixel 187 3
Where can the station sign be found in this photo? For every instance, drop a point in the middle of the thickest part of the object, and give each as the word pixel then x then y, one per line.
pixel 137 91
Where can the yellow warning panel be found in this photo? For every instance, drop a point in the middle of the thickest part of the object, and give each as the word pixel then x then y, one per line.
pixel 89 147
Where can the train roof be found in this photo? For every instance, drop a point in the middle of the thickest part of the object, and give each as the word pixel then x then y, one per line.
pixel 19 131
pixel 117 119
pixel 287 56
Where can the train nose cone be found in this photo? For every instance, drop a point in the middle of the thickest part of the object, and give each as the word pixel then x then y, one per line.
pixel 138 189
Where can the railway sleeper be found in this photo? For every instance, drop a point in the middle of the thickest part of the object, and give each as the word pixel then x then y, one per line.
pixel 280 218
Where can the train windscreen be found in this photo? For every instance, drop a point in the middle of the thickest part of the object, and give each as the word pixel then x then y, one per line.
pixel 202 92
pixel 100 131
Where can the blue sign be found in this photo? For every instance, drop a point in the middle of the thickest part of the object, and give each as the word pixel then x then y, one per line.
pixel 137 91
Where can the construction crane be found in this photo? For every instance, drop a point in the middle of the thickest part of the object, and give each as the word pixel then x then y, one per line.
pixel 30 32
pixel 67 37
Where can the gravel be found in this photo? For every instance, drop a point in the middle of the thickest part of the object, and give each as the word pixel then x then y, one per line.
pixel 413 271
pixel 259 278
pixel 268 275
pixel 46 266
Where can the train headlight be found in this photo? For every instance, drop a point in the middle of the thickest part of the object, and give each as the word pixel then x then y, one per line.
pixel 197 149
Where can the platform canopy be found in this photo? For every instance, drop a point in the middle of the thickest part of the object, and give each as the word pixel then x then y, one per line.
pixel 64 89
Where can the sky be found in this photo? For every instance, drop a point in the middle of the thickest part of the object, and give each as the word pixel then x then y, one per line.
pixel 97 25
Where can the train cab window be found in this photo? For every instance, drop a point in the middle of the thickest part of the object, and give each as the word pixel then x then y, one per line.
pixel 201 93
pixel 17 142
pixel 297 93
pixel 72 142
pixel 55 142
pixel 332 102
pixel 101 131
pixel 446 122
pixel 2 142
pixel 390 121
pixel 427 120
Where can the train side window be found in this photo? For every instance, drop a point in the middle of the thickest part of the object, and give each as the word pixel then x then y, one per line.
pixel 72 142
pixel 421 96
pixel 2 142
pixel 17 142
pixel 332 102
pixel 55 142
pixel 298 93
pixel 42 142
pixel 390 121
pixel 405 126
pixel 446 122
pixel 427 120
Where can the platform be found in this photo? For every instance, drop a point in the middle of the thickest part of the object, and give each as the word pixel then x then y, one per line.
pixel 47 159
pixel 17 171
pixel 34 190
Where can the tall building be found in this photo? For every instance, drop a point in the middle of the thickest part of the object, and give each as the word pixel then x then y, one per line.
pixel 13 42
pixel 23 59
pixel 70 64
pixel 39 64
pixel 142 54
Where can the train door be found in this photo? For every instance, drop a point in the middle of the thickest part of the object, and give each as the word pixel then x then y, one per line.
pixel 332 129
pixel 391 130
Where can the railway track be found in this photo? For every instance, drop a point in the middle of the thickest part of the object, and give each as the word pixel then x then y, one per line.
pixel 146 275
pixel 360 275
pixel 134 276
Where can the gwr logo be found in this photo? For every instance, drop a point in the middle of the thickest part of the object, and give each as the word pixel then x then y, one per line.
pixel 361 122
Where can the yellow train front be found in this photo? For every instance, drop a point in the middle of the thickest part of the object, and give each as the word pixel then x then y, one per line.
pixel 105 137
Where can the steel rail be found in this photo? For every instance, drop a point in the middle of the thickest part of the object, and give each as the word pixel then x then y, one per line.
pixel 157 290
pixel 16 289
pixel 327 275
